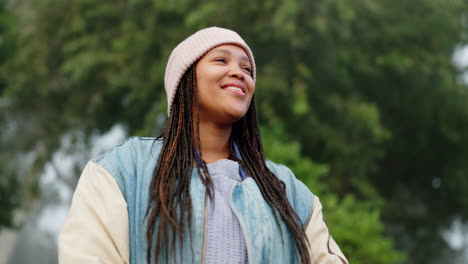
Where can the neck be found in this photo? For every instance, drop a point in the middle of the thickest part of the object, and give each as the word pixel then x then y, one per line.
pixel 214 141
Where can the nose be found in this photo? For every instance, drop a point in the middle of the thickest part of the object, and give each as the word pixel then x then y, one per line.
pixel 236 72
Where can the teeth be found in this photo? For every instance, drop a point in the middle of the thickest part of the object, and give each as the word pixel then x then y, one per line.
pixel 235 89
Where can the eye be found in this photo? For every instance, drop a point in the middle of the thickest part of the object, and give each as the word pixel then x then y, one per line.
pixel 247 69
pixel 223 60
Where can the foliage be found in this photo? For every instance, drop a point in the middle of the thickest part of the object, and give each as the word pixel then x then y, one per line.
pixel 9 182
pixel 367 88
pixel 9 198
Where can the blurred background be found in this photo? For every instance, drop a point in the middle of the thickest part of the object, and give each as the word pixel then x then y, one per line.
pixel 366 101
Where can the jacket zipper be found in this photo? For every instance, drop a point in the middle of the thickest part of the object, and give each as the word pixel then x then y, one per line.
pixel 242 225
pixel 204 230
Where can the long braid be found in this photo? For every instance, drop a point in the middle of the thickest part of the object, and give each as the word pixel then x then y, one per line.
pixel 207 179
pixel 169 191
pixel 271 187
pixel 169 194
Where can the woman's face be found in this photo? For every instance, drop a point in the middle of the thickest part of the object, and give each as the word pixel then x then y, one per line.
pixel 224 82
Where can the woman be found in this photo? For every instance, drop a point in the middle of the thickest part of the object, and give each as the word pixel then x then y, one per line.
pixel 202 192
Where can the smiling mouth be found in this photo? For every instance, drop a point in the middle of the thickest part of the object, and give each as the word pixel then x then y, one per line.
pixel 235 90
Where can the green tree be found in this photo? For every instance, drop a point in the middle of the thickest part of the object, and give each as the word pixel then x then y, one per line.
pixel 386 106
pixel 367 88
pixel 9 182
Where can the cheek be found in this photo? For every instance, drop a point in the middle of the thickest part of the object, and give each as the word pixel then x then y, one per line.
pixel 207 79
pixel 252 86
pixel 206 88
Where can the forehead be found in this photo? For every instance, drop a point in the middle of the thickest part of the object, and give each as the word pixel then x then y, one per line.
pixel 229 50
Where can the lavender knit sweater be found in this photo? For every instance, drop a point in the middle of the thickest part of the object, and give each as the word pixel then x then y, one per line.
pixel 225 241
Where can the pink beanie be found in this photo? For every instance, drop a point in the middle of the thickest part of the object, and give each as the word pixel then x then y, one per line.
pixel 193 48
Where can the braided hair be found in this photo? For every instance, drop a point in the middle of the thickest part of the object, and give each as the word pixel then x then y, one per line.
pixel 169 197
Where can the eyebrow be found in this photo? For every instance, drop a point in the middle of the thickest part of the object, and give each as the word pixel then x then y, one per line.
pixel 228 52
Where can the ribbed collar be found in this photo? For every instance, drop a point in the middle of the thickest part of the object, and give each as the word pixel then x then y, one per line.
pixel 242 172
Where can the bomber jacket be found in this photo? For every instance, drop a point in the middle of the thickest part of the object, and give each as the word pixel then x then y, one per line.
pixel 107 224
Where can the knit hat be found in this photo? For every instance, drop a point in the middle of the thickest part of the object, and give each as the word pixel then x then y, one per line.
pixel 193 48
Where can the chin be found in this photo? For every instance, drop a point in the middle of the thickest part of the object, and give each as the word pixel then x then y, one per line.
pixel 236 115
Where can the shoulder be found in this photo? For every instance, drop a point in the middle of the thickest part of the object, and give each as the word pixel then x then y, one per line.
pixel 130 150
pixel 299 195
pixel 129 145
pixel 286 175
pixel 130 157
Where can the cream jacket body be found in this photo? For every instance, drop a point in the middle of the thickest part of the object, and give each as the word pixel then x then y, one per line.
pixel 107 224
